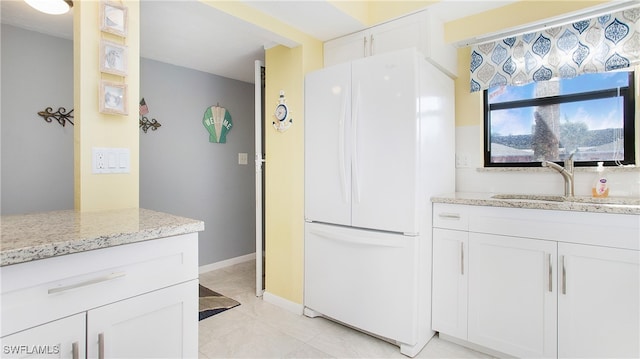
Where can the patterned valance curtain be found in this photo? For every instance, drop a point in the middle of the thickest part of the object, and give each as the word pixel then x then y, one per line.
pixel 601 44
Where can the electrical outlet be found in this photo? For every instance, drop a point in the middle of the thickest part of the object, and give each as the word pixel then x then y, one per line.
pixel 99 160
pixel 462 160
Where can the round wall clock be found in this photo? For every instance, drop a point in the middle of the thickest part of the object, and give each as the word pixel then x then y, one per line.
pixel 281 113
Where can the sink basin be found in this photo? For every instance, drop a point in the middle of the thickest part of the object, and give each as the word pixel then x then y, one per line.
pixel 578 199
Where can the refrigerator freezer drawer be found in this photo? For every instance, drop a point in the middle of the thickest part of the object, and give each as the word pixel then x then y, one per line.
pixel 363 278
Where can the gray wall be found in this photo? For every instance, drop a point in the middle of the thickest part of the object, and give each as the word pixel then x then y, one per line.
pixel 180 171
pixel 37 157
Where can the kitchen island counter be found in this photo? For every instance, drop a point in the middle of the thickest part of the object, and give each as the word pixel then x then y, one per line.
pixel 43 235
pixel 613 205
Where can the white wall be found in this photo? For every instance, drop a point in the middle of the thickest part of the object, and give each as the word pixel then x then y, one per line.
pixel 473 177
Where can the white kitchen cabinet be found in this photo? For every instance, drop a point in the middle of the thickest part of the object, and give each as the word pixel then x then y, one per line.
pixel 142 297
pixel 512 295
pixel 598 310
pixel 62 338
pixel 450 276
pixel 541 283
pixel 421 30
pixel 146 326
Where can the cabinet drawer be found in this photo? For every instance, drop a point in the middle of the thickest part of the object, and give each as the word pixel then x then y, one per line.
pixel 598 229
pixel 450 216
pixel 44 290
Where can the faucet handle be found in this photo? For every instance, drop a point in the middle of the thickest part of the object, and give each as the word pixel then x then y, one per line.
pixel 568 162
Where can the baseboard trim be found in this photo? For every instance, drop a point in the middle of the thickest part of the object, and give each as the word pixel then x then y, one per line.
pixel 226 263
pixel 285 304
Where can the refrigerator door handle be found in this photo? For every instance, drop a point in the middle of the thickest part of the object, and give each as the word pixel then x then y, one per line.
pixel 354 143
pixel 355 239
pixel 342 156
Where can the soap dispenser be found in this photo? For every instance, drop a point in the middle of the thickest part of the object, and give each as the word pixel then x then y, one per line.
pixel 600 185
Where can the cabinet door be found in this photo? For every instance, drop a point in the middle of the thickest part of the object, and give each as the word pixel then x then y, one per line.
pixel 347 48
pixel 159 324
pixel 598 302
pixel 450 274
pixel 406 32
pixel 512 295
pixel 327 171
pixel 63 338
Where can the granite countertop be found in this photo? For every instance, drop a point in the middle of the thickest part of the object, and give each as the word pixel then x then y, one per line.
pixel 35 236
pixel 618 205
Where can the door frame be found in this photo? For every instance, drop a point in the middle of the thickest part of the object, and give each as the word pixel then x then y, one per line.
pixel 259 180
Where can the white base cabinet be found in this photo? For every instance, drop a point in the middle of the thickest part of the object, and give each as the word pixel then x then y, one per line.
pixel 450 281
pixel 62 338
pixel 512 295
pixel 137 300
pixel 598 302
pixel 538 283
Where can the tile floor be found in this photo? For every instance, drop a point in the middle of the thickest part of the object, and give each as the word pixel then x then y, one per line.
pixel 257 329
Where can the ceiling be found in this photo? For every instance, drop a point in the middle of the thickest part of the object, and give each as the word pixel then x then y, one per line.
pixel 192 34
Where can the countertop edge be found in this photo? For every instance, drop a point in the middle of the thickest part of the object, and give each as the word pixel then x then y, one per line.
pixel 53 248
pixel 484 199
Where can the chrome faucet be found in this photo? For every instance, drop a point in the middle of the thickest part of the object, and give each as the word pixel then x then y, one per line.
pixel 566 172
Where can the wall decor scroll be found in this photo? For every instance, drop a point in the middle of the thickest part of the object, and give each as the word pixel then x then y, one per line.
pixel 113 18
pixel 62 116
pixel 217 120
pixel 113 98
pixel 145 123
pixel 281 113
pixel 113 58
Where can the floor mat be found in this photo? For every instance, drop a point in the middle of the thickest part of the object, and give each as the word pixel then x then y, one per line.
pixel 212 303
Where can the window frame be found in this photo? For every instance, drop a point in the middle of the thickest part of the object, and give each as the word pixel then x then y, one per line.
pixel 628 94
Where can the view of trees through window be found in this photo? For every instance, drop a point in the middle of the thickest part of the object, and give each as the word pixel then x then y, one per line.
pixel 590 116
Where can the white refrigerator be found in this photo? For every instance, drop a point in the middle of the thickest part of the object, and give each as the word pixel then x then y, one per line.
pixel 379 142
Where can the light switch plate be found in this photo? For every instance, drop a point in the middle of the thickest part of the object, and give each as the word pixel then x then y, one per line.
pixel 110 160
pixel 243 158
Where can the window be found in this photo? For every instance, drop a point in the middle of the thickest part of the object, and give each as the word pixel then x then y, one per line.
pixel 591 116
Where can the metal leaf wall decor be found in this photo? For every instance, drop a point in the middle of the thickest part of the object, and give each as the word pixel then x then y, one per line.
pixel 62 116
pixel 145 124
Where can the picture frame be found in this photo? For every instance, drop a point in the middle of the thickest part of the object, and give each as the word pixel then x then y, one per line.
pixel 114 18
pixel 113 58
pixel 113 98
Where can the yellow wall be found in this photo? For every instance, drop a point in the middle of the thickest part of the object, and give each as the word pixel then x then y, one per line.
pixel 94 129
pixel 284 195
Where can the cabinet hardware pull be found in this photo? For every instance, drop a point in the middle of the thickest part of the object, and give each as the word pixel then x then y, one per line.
pixel 100 345
pixel 550 273
pixel 364 48
pixel 86 283
pixel 75 351
pixel 445 215
pixel 461 258
pixel 564 276
pixel 371 46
